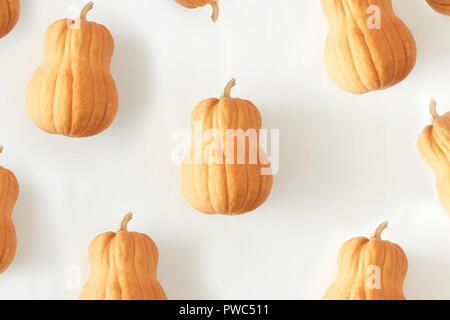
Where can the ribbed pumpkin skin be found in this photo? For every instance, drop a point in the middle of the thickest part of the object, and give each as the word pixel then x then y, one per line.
pixel 441 6
pixel 220 188
pixel 123 267
pixel 355 257
pixel 194 3
pixel 73 93
pixel 360 59
pixel 434 147
pixel 9 15
pixel 9 192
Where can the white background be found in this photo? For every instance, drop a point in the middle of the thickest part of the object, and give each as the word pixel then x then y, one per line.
pixel 347 162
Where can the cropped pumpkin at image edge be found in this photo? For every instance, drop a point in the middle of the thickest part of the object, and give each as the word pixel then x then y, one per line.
pixel 217 187
pixel 360 58
pixel 73 93
pixel 441 6
pixel 192 4
pixel 370 269
pixel 9 15
pixel 9 192
pixel 434 147
pixel 123 267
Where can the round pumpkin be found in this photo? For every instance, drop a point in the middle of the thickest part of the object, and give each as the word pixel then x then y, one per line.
pixel 9 192
pixel 73 93
pixel 434 147
pixel 233 182
pixel 9 15
pixel 362 55
pixel 192 4
pixel 369 269
pixel 441 6
pixel 123 267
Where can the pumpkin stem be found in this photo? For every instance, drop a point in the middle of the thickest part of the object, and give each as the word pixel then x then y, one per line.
pixel 1 149
pixel 88 7
pixel 216 10
pixel 380 229
pixel 125 221
pixel 433 111
pixel 227 91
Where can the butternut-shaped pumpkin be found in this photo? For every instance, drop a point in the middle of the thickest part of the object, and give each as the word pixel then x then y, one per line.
pixel 9 15
pixel 73 93
pixel 123 267
pixel 370 269
pixel 434 147
pixel 192 4
pixel 368 47
pixel 221 175
pixel 441 6
pixel 9 192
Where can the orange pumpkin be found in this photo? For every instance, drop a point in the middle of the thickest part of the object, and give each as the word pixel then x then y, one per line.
pixel 123 267
pixel 362 55
pixel 221 183
pixel 441 6
pixel 73 93
pixel 9 15
pixel 192 4
pixel 434 147
pixel 369 269
pixel 9 192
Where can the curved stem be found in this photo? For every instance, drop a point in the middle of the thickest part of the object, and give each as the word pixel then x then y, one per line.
pixel 125 221
pixel 227 91
pixel 216 10
pixel 380 229
pixel 88 7
pixel 1 149
pixel 433 110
